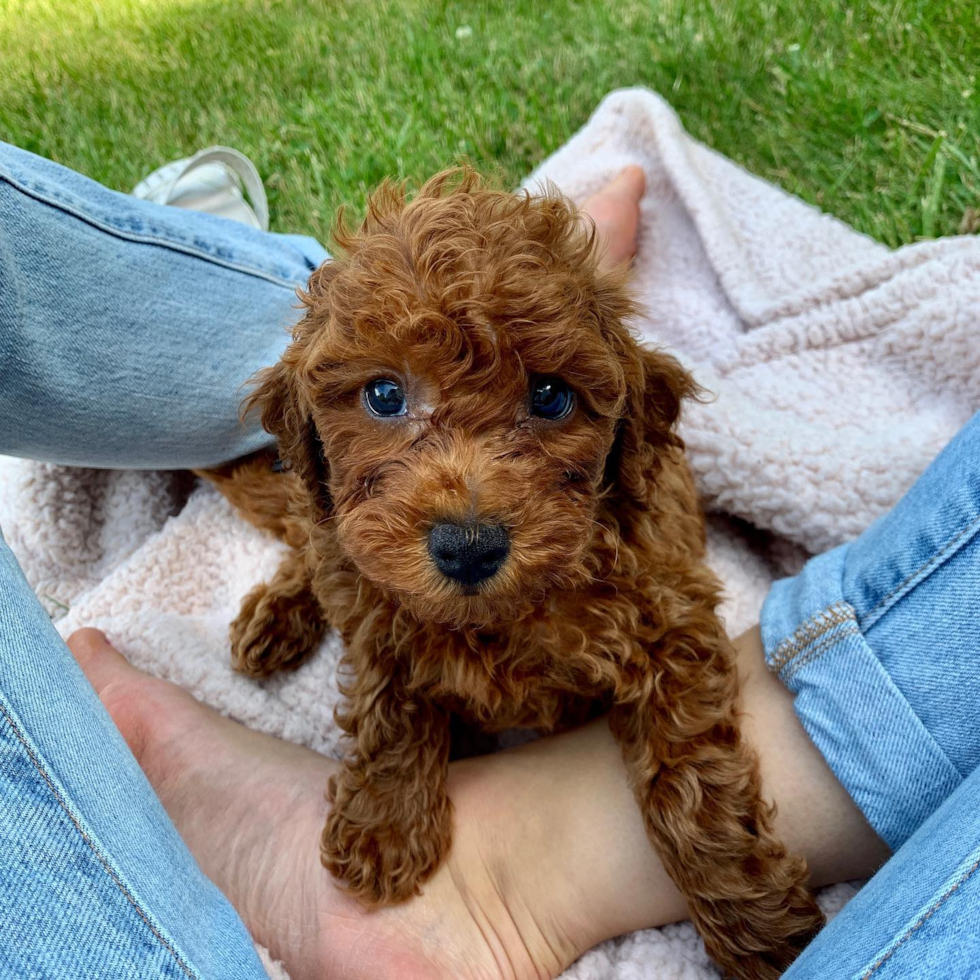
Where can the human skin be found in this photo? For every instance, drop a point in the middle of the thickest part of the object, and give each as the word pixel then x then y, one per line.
pixel 549 858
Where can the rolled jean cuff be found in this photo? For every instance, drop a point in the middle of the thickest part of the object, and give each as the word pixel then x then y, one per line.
pixel 866 729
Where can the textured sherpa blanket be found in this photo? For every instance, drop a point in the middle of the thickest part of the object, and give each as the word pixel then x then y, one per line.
pixel 839 369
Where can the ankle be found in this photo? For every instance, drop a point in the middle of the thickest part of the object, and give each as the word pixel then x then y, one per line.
pixel 494 865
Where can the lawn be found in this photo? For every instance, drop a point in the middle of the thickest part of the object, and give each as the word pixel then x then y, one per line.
pixel 869 109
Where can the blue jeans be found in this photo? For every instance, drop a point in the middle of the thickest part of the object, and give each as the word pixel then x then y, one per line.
pixel 125 332
pixel 879 641
pixel 127 329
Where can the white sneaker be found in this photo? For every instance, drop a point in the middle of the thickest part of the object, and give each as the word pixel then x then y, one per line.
pixel 215 181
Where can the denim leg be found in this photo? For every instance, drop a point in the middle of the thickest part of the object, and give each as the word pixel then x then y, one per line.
pixel 127 329
pixel 879 642
pixel 919 917
pixel 95 882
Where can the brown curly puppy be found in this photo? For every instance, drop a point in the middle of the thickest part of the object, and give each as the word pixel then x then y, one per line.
pixel 487 499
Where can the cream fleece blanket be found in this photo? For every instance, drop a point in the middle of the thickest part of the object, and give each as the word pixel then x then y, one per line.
pixel 839 370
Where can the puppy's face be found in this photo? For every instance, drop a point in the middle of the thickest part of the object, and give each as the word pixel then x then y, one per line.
pixel 461 397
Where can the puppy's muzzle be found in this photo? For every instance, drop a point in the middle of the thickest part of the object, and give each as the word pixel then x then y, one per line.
pixel 469 553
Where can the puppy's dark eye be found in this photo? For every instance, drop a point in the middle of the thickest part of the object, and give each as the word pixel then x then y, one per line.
pixel 385 397
pixel 551 398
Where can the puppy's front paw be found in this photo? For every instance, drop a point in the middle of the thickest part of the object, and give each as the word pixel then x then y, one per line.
pixel 272 632
pixel 382 859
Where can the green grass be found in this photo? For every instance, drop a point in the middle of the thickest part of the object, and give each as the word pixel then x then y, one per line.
pixel 869 109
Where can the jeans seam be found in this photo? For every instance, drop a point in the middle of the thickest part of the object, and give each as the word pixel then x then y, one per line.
pixel 933 559
pixel 797 663
pixel 809 630
pixel 152 240
pixel 922 919
pixel 103 861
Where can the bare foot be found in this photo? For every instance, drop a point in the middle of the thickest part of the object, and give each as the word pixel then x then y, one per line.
pixel 615 211
pixel 549 856
pixel 251 808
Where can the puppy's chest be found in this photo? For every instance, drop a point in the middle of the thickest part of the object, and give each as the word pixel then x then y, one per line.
pixel 549 671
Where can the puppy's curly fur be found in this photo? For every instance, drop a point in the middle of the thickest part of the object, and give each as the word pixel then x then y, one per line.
pixel 463 295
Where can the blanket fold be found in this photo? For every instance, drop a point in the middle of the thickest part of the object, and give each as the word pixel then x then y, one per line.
pixel 837 370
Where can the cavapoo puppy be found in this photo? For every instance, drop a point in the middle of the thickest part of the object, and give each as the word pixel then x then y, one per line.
pixel 487 499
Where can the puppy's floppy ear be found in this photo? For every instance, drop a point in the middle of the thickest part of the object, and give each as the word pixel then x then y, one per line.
pixel 657 384
pixel 278 394
pixel 286 416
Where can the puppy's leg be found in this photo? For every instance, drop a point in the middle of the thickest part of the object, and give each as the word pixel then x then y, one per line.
pixel 698 786
pixel 256 489
pixel 280 623
pixel 390 824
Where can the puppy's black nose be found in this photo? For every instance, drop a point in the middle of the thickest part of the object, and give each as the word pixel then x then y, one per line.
pixel 468 553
